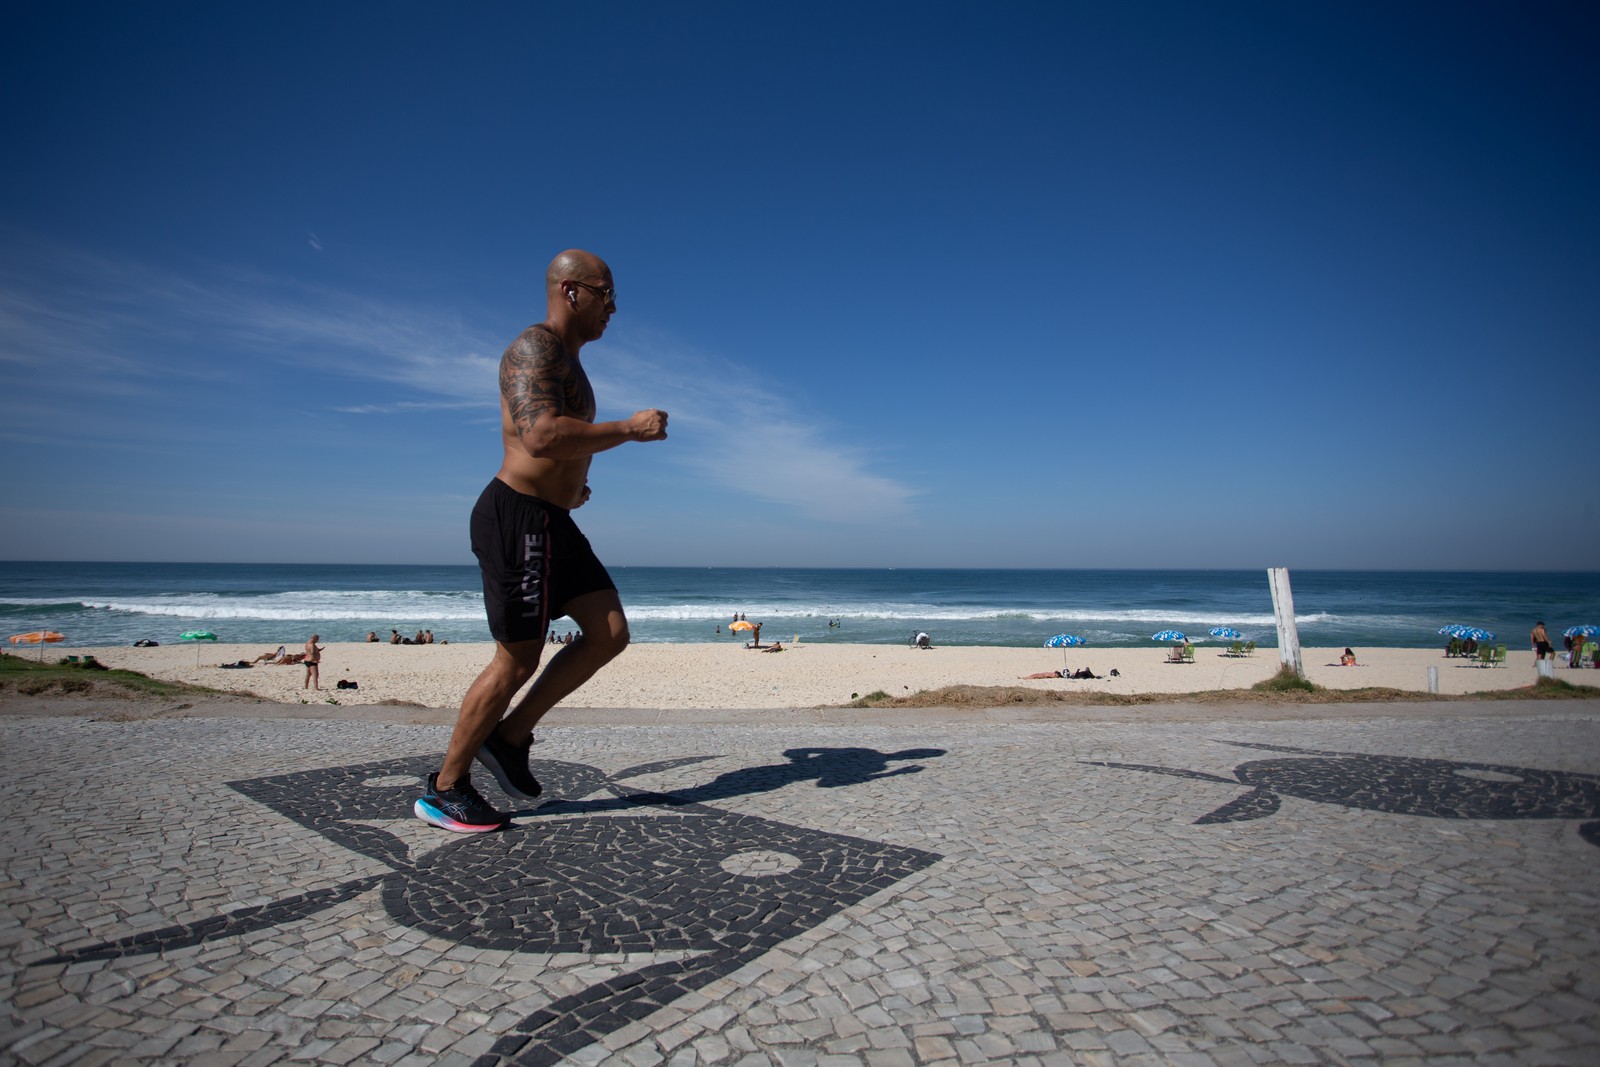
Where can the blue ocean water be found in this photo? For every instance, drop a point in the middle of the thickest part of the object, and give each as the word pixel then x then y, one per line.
pixel 101 604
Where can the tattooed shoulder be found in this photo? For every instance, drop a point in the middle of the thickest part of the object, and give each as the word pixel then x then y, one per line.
pixel 532 377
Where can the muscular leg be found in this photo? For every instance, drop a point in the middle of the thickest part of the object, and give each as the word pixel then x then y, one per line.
pixel 603 635
pixel 485 702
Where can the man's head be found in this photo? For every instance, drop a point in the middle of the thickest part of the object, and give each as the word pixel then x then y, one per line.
pixel 579 294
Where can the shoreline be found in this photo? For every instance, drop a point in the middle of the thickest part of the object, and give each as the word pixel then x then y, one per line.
pixel 713 677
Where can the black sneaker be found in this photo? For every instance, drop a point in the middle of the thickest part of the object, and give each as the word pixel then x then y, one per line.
pixel 509 765
pixel 461 808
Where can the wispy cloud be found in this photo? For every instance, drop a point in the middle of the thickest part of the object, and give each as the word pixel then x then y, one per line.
pixel 411 407
pixel 70 304
pixel 746 438
pixel 106 315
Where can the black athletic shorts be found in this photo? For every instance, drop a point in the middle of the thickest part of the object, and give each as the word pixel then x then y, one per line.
pixel 534 561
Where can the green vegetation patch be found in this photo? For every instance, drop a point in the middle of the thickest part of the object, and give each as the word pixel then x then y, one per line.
pixel 29 677
pixel 1285 681
pixel 1543 689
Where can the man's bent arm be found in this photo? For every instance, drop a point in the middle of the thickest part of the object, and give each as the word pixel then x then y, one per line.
pixel 536 384
pixel 558 437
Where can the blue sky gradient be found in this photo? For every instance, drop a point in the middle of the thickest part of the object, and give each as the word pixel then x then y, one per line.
pixel 1054 285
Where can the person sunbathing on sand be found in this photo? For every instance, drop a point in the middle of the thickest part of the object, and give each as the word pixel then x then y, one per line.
pixel 1045 674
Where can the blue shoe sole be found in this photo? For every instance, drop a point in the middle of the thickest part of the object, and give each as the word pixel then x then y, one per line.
pixel 430 814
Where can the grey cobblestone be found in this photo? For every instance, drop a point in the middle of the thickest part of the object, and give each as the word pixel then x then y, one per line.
pixel 1077 913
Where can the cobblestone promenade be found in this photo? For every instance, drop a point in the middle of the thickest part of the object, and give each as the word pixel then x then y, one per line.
pixel 1405 887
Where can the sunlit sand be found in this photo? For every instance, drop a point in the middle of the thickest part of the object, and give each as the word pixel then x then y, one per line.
pixel 728 675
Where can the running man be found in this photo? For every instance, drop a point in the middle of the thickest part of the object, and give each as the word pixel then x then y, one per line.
pixel 536 564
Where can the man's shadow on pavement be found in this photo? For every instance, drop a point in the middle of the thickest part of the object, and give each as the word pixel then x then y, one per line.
pixel 830 768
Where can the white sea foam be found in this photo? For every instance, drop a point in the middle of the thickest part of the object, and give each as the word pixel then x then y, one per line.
pixel 460 606
pixel 957 613
pixel 306 606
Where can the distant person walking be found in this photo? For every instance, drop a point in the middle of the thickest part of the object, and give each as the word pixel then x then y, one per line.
pixel 313 662
pixel 536 564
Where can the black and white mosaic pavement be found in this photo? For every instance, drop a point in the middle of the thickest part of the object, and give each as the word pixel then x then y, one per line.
pixel 1386 891
pixel 639 873
pixel 1402 785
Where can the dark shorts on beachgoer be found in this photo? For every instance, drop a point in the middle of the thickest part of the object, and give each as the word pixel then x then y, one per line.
pixel 534 559
pixel 1543 649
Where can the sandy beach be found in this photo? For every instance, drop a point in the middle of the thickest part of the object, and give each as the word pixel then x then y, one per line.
pixel 715 676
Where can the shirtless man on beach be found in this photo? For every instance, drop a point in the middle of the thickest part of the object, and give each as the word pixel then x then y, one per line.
pixel 536 565
pixel 313 662
pixel 1541 642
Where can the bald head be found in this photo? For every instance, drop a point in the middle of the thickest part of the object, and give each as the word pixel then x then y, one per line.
pixel 579 297
pixel 574 265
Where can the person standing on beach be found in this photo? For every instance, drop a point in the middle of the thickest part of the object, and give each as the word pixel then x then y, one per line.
pixel 1541 641
pixel 536 564
pixel 313 663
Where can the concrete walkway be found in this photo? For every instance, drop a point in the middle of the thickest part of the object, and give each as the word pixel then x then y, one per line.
pixel 1392 884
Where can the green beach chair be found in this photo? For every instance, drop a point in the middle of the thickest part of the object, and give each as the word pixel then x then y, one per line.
pixel 1236 649
pixel 1188 654
pixel 1499 657
pixel 1485 655
pixel 1455 647
pixel 1250 648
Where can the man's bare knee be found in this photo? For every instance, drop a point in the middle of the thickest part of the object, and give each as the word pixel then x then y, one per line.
pixel 603 626
pixel 609 640
pixel 513 665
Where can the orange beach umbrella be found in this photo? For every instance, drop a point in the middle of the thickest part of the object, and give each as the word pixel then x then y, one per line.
pixel 38 637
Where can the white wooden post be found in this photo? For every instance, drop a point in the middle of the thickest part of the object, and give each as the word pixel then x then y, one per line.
pixel 1283 612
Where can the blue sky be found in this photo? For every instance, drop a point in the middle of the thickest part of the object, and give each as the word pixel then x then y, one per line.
pixel 1058 285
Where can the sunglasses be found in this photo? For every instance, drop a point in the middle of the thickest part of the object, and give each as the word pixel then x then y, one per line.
pixel 607 295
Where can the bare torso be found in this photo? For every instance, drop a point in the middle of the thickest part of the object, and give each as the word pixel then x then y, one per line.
pixel 559 481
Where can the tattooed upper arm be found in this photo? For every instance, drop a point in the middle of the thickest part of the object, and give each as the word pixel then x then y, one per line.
pixel 532 378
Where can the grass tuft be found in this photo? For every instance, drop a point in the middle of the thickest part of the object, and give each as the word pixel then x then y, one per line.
pixel 1285 681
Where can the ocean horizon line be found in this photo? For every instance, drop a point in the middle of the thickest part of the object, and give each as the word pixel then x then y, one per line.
pixel 1397 569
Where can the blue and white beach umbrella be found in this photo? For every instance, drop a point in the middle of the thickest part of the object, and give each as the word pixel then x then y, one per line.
pixel 1168 635
pixel 1466 633
pixel 1227 632
pixel 1580 631
pixel 1064 641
